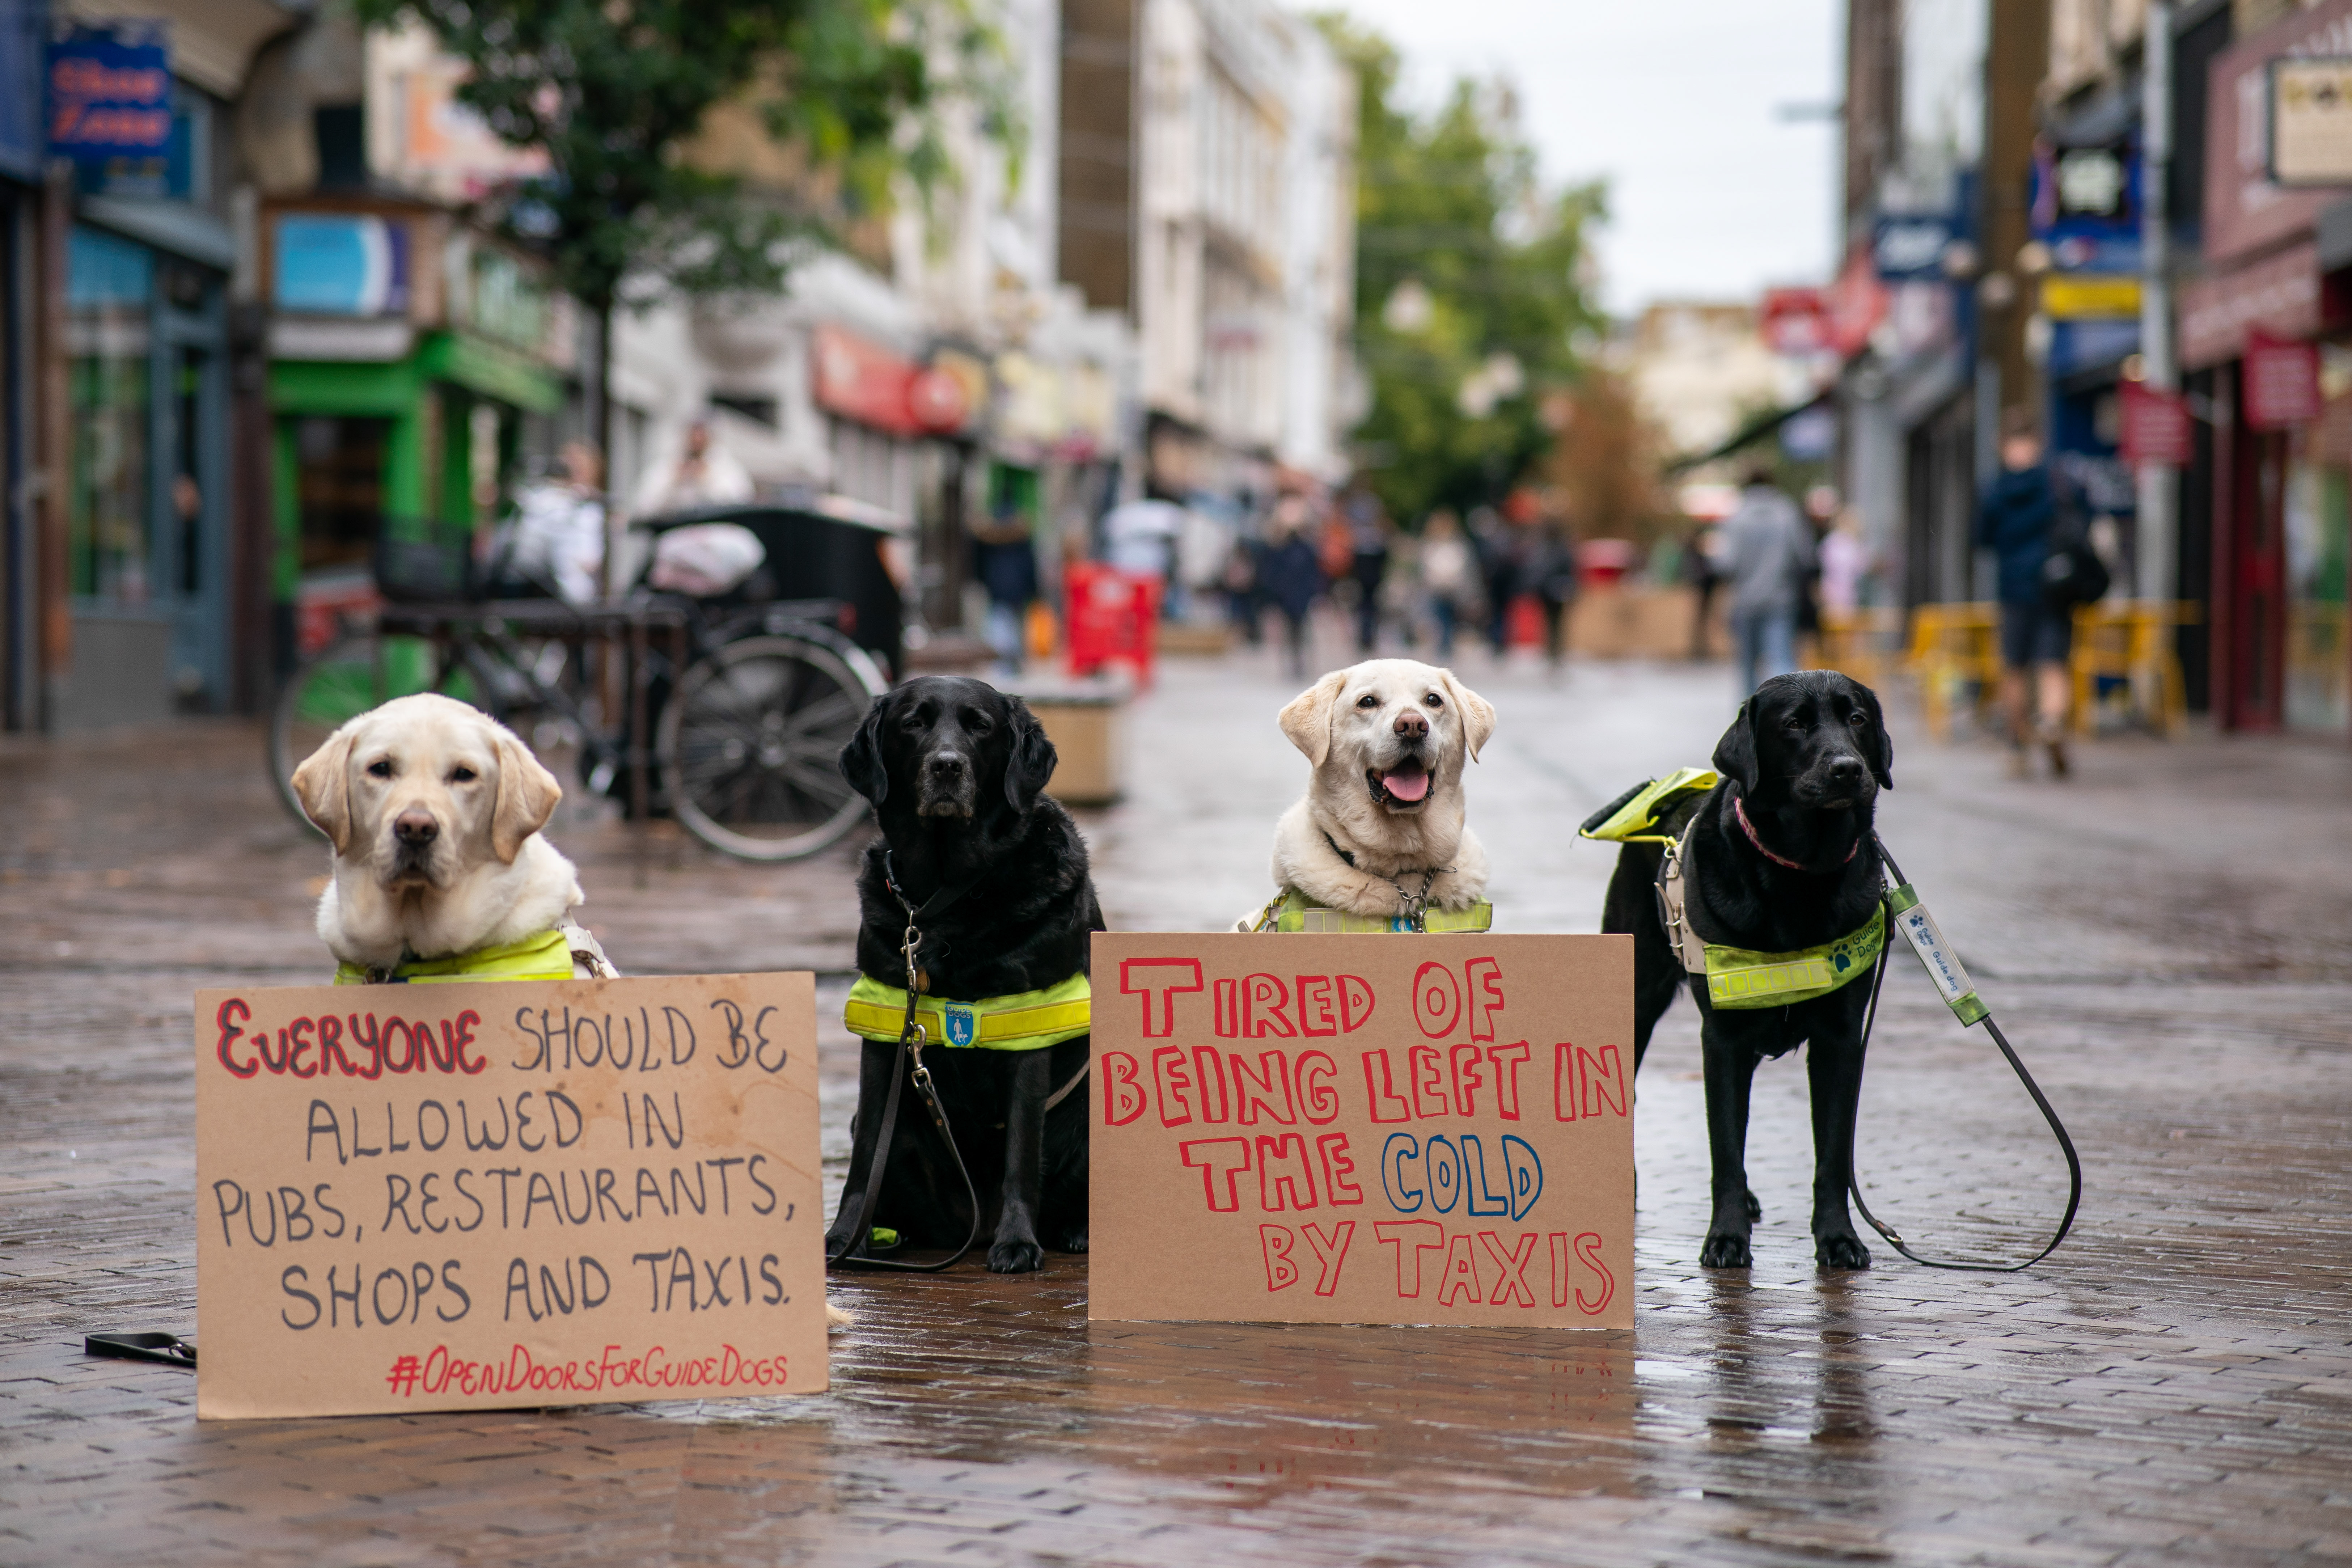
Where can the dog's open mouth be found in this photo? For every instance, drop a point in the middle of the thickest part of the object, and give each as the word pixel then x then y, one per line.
pixel 1404 787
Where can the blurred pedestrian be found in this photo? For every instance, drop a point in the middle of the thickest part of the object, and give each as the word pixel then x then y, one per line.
pixel 1290 572
pixel 1699 568
pixel 702 473
pixel 2015 520
pixel 555 542
pixel 1004 562
pixel 1498 545
pixel 1553 572
pixel 1368 564
pixel 1768 553
pixel 1447 574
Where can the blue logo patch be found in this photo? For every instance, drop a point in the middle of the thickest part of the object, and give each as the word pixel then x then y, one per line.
pixel 963 1028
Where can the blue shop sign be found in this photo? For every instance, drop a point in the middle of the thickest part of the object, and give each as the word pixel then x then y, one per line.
pixel 1908 248
pixel 2086 206
pixel 110 95
pixel 339 264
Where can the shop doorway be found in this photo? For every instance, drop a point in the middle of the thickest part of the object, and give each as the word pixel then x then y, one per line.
pixel 2249 648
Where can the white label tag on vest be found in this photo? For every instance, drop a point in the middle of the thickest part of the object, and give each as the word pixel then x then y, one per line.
pixel 1942 963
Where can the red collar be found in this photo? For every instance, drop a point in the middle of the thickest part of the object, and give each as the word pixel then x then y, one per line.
pixel 1749 827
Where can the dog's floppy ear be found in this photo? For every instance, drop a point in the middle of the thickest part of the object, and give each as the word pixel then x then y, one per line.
pixel 861 760
pixel 1307 719
pixel 1882 765
pixel 323 784
pixel 1735 755
pixel 1477 713
pixel 527 797
pixel 1033 758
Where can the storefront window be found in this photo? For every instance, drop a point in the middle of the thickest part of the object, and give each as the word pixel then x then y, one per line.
pixel 338 490
pixel 2318 542
pixel 109 291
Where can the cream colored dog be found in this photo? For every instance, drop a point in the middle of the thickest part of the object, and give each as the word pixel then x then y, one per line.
pixel 434 809
pixel 1383 819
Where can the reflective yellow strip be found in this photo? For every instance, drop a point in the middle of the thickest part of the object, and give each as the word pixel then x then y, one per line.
pixel 1738 978
pixel 1024 1021
pixel 1298 915
pixel 544 957
pixel 1017 1022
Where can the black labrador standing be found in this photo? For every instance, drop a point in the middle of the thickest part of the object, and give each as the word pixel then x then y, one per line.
pixel 1805 760
pixel 956 771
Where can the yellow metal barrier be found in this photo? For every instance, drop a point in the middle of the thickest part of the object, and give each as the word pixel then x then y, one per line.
pixel 1955 655
pixel 1860 643
pixel 2130 642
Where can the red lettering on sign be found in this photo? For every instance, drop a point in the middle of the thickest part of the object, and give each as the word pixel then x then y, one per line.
pixel 1263 1003
pixel 1216 1159
pixel 1228 1008
pixel 1388 1105
pixel 1355 1003
pixel 1209 1070
pixel 1507 1061
pixel 1123 1097
pixel 1461 1271
pixel 1485 978
pixel 230 1033
pixel 1160 978
pixel 1268 1085
pixel 1601 1082
pixel 1513 1281
pixel 1469 1078
pixel 1317 1097
pixel 1338 1169
pixel 1281 1273
pixel 1426 1070
pixel 1436 1000
pixel 1411 1237
pixel 1330 1252
pixel 1174 1082
pixel 1283 1173
pixel 1315 1004
pixel 1587 1247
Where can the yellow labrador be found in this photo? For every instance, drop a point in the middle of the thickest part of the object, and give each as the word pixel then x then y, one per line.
pixel 1383 811
pixel 435 809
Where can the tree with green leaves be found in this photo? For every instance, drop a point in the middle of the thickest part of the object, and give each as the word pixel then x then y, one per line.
pixel 616 91
pixel 1471 291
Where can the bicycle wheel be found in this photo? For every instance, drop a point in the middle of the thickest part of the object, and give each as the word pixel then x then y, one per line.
pixel 347 679
pixel 749 745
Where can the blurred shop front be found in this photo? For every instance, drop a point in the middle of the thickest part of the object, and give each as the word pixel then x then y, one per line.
pixel 2266 339
pixel 416 364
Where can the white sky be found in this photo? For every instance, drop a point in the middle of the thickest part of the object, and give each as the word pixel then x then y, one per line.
pixel 1672 101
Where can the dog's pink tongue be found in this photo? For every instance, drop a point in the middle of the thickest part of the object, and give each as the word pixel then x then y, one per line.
pixel 1405 786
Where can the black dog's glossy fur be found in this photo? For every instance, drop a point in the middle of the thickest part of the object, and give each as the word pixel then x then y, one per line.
pixel 1808 755
pixel 956 770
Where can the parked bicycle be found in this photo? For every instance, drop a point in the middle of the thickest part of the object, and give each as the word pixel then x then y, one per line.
pixel 737 704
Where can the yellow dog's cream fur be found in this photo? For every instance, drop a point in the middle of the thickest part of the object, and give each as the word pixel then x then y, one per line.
pixel 1343 738
pixel 487 877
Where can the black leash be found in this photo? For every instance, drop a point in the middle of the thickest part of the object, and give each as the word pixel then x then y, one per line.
pixel 165 1349
pixel 910 1049
pixel 2057 1128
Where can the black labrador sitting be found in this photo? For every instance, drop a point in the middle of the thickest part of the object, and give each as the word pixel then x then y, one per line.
pixel 956 771
pixel 1804 763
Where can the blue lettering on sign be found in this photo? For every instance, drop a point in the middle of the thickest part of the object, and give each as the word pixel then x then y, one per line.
pixel 1393 1178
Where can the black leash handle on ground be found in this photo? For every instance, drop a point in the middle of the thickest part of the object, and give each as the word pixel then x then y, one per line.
pixel 910 1047
pixel 2042 1102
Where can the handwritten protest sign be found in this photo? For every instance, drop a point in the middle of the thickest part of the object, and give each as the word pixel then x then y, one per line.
pixel 460 1196
pixel 1363 1129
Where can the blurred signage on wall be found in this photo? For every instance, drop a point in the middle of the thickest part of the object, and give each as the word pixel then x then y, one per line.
pixel 109 105
pixel 2279 294
pixel 2156 426
pixel 339 264
pixel 1049 408
pixel 1856 303
pixel 2245 209
pixel 2281 382
pixel 447 148
pixel 2311 121
pixel 2089 296
pixel 1909 248
pixel 865 382
pixel 1795 321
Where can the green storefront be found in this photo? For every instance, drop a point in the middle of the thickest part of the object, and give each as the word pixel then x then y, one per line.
pixel 410 380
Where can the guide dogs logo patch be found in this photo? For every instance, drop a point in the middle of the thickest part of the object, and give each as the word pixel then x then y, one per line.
pixel 961 1027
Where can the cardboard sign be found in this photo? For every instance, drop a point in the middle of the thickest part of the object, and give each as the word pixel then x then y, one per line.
pixel 462 1196
pixel 1376 1129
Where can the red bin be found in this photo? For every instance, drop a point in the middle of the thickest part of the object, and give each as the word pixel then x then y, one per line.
pixel 1109 617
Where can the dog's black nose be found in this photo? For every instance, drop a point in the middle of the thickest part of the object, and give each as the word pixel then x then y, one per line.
pixel 415 825
pixel 1412 725
pixel 1847 770
pixel 947 764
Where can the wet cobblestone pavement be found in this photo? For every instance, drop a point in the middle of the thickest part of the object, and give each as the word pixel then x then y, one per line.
pixel 2163 937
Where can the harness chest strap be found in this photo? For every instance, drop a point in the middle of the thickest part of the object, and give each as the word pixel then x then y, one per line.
pixel 553 954
pixel 1023 1021
pixel 1292 910
pixel 1738 977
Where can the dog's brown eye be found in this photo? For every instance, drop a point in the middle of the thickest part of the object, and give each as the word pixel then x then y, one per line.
pixel 461 775
pixel 380 769
pixel 1367 700
pixel 1435 700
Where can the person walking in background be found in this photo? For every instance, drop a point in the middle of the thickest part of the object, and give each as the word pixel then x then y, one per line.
pixel 1005 560
pixel 2015 520
pixel 1699 568
pixel 1447 575
pixel 555 542
pixel 1553 572
pixel 1768 554
pixel 1368 564
pixel 1845 561
pixel 1291 574
pixel 703 473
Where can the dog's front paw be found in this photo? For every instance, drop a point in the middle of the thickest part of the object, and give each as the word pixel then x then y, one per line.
pixel 1725 1249
pixel 1755 1209
pixel 1838 1250
pixel 1021 1256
